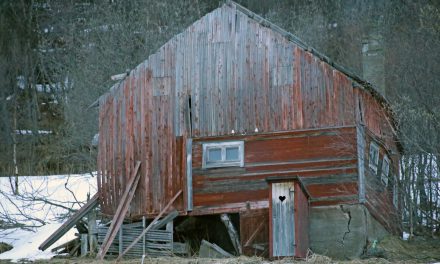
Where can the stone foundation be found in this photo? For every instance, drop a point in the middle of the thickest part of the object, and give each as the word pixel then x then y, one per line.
pixel 343 231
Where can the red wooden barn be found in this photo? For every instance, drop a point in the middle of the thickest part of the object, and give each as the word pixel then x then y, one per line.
pixel 246 119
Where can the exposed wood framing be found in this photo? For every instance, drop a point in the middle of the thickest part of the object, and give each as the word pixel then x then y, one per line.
pixel 121 211
pixel 92 203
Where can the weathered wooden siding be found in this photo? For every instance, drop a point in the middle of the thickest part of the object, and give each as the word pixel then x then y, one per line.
pixel 325 159
pixel 136 124
pixel 379 128
pixel 376 118
pixel 225 74
pixel 254 232
pixel 379 197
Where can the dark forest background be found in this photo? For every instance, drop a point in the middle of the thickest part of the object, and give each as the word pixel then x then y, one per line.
pixel 56 58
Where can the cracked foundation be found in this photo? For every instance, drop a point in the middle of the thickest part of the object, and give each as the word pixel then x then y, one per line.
pixel 342 231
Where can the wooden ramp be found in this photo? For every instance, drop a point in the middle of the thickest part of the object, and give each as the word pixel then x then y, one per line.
pixel 92 203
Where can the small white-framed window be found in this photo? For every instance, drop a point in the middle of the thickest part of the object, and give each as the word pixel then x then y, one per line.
pixel 223 154
pixel 374 156
pixel 395 192
pixel 385 170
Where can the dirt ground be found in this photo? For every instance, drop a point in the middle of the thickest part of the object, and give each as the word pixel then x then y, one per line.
pixel 392 250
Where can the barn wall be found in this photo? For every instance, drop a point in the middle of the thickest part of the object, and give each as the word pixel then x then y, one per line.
pixel 224 74
pixel 254 232
pixel 136 124
pixel 379 198
pixel 376 118
pixel 325 159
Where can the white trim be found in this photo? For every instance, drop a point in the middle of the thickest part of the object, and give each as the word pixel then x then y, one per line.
pixel 223 162
pixel 361 148
pixel 189 189
pixel 384 176
pixel 373 165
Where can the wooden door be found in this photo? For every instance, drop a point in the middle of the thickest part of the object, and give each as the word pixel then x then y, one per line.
pixel 283 221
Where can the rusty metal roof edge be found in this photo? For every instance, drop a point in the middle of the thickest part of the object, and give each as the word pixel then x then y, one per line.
pixel 291 37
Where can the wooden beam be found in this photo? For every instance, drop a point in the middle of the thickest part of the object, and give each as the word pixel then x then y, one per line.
pixel 149 227
pixel 92 203
pixel 164 221
pixel 233 234
pixel 254 234
pixel 120 212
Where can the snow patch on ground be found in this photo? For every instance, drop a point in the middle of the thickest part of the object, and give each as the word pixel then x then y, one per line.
pixel 42 205
pixel 25 242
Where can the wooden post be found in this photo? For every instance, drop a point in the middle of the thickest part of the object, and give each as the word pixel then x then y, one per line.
pixel 143 240
pixel 121 248
pixel 84 244
pixel 93 239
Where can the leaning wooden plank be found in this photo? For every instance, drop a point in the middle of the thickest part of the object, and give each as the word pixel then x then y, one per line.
pixel 92 203
pixel 233 234
pixel 150 225
pixel 164 221
pixel 120 212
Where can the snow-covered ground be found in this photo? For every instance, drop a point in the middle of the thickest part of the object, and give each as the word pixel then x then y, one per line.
pixel 42 205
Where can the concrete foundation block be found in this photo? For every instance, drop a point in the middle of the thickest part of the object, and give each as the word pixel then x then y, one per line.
pixel 342 231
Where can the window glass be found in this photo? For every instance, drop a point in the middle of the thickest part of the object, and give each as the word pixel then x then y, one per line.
pixel 385 170
pixel 223 154
pixel 214 154
pixel 232 153
pixel 374 156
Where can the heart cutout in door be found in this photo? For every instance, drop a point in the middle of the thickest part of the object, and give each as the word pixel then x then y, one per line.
pixel 282 198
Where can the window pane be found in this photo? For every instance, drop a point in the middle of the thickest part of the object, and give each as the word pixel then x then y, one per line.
pixel 214 154
pixel 374 156
pixel 232 153
pixel 385 170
